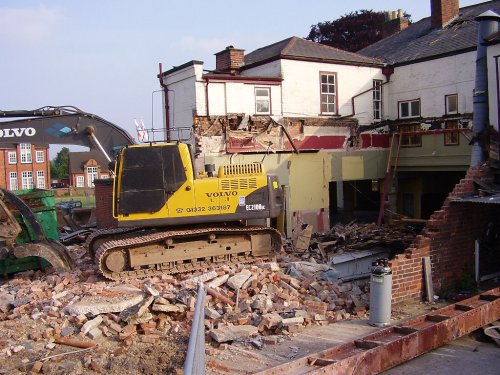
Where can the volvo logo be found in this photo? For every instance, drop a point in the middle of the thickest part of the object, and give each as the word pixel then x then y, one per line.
pixel 17 132
pixel 221 194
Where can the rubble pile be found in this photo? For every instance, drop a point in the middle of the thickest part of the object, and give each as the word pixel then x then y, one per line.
pixel 353 236
pixel 80 309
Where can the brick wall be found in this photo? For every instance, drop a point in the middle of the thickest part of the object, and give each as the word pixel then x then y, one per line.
pixel 449 239
pixel 443 11
pixel 104 204
pixel 229 60
pixel 6 168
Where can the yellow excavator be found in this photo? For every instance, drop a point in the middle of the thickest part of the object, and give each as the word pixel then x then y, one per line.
pixel 170 218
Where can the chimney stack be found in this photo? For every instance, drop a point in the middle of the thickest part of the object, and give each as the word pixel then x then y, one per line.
pixel 394 22
pixel 442 12
pixel 229 60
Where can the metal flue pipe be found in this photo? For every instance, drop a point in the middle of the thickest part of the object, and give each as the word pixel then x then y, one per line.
pixel 488 25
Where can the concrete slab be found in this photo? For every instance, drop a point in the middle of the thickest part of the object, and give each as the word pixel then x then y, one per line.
pixel 112 299
pixel 462 356
pixel 245 360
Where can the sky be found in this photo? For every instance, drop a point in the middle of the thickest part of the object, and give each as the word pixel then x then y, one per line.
pixel 103 56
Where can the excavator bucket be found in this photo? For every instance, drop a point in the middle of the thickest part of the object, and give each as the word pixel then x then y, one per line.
pixel 38 237
pixel 52 251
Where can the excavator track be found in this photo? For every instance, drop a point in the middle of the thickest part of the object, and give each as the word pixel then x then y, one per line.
pixel 156 252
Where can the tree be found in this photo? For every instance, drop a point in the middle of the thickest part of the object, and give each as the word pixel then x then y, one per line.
pixel 59 167
pixel 350 32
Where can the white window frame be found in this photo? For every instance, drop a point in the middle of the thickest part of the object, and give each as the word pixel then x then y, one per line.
pixel 39 156
pixel 13 183
pixel 25 153
pixel 12 157
pixel 262 102
pixel 80 181
pixel 328 93
pixel 40 179
pixel 448 103
pixel 27 180
pixel 104 176
pixel 377 99
pixel 411 108
pixel 92 174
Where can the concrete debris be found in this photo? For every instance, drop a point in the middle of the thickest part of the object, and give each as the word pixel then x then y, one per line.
pixel 215 283
pixel 303 239
pixel 237 281
pixel 137 310
pixel 113 299
pixel 91 324
pixel 6 301
pixel 192 282
pixel 231 333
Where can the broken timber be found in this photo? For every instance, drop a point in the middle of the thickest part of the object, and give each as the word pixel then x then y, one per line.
pixel 392 346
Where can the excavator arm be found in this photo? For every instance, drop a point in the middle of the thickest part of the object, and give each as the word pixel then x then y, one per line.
pixel 45 126
pixel 65 125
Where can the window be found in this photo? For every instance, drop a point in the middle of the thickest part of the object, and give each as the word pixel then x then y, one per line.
pixel 80 181
pixel 451 104
pixel 91 175
pixel 25 153
pixel 103 176
pixel 13 181
pixel 410 108
pixel 40 179
pixel 40 156
pixel 451 138
pixel 27 180
pixel 328 93
pixel 410 140
pixel 12 156
pixel 262 100
pixel 377 99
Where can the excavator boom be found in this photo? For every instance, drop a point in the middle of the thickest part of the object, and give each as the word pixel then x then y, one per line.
pixel 62 125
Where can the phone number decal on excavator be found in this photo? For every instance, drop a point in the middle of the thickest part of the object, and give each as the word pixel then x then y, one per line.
pixel 209 208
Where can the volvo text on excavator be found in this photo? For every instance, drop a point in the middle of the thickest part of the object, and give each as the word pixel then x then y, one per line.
pixel 170 218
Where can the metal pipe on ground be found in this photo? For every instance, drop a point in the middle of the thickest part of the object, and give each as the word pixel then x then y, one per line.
pixel 195 356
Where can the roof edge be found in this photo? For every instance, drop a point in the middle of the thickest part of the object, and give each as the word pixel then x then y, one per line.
pixel 180 67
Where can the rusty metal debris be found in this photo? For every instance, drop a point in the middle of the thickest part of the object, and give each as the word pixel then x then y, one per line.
pixel 392 346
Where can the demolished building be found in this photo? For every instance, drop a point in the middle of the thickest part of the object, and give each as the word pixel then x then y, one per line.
pixel 386 131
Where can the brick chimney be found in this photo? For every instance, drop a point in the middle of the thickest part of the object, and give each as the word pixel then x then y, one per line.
pixel 394 22
pixel 229 60
pixel 442 12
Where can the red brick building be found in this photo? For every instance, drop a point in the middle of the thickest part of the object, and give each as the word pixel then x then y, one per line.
pixel 24 166
pixel 85 167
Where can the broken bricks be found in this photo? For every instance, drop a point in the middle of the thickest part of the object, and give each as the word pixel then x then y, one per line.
pixel 242 301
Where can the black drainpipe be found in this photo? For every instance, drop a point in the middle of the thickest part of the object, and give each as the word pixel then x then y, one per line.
pixel 488 25
pixel 167 108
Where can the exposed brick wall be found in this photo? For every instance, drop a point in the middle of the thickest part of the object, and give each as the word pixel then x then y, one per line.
pixel 449 239
pixel 104 204
pixel 443 11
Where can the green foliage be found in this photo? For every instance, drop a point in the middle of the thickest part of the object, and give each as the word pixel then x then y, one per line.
pixel 350 32
pixel 59 167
